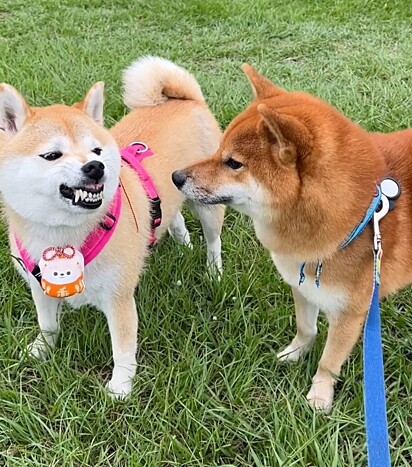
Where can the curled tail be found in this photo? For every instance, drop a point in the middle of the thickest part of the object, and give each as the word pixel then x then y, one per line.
pixel 152 81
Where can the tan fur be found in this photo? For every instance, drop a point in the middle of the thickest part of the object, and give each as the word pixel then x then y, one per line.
pixel 307 179
pixel 175 139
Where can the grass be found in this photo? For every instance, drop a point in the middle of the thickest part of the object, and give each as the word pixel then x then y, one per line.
pixel 208 391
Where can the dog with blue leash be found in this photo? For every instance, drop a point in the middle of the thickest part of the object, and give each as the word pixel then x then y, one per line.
pixel 326 197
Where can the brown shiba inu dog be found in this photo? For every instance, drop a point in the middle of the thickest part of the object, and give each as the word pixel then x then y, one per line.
pixel 306 175
pixel 60 171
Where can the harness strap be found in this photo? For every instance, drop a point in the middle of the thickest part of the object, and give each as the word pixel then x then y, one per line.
pixel 134 155
pixel 100 236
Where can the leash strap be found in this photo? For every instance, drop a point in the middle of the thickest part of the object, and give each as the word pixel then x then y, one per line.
pixel 365 221
pixel 377 439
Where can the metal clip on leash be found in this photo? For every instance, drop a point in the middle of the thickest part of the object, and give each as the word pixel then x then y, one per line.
pixel 377 439
pixel 377 239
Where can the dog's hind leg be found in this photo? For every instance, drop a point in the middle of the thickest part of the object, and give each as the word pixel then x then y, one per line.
pixel 211 217
pixel 178 230
pixel 48 315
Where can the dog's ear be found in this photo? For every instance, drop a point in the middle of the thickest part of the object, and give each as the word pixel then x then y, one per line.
pixel 290 135
pixel 262 87
pixel 93 103
pixel 14 110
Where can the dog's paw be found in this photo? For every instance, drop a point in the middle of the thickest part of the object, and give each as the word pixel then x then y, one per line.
pixel 294 351
pixel 187 243
pixel 37 349
pixel 119 390
pixel 214 270
pixel 320 396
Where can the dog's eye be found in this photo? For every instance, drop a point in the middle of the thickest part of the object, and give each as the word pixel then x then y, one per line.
pixel 97 151
pixel 51 156
pixel 68 273
pixel 233 164
pixel 55 274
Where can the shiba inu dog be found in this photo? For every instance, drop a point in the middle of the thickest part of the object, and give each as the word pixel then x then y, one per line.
pixel 61 173
pixel 307 175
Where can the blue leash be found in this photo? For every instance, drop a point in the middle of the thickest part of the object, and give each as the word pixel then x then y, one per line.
pixel 376 422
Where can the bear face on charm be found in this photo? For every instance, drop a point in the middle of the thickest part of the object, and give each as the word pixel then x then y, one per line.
pixel 62 270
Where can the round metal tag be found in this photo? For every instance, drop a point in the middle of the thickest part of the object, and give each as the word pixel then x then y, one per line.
pixel 390 188
pixel 142 146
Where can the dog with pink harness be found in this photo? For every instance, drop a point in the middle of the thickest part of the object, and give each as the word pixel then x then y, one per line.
pixel 82 217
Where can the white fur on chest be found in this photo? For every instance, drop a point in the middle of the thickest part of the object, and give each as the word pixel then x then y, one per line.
pixel 331 300
pixel 101 281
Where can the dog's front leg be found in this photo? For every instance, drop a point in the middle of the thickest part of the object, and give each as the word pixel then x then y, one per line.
pixel 306 318
pixel 211 218
pixel 123 321
pixel 343 333
pixel 48 315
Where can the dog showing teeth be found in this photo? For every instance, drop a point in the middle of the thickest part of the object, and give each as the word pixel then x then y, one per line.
pixel 86 197
pixel 66 196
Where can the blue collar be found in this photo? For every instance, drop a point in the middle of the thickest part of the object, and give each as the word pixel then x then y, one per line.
pixel 354 233
pixel 368 217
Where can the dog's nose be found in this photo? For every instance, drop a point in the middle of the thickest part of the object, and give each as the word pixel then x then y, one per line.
pixel 179 178
pixel 94 170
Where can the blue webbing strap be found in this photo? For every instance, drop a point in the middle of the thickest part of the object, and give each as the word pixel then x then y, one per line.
pixel 365 221
pixel 377 439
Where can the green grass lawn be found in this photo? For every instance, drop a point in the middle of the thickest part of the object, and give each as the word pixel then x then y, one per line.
pixel 209 390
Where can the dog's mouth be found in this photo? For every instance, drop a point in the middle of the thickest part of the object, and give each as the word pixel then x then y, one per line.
pixel 87 196
pixel 216 200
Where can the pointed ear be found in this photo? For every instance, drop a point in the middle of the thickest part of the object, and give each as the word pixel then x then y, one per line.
pixel 93 103
pixel 262 87
pixel 13 110
pixel 289 134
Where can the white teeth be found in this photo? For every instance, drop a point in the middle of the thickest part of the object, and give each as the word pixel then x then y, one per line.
pixel 77 196
pixel 87 196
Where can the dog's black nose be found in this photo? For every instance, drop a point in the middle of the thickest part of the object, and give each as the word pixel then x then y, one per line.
pixel 94 170
pixel 179 178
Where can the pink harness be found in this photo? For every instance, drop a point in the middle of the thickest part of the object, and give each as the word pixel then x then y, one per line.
pixel 97 240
